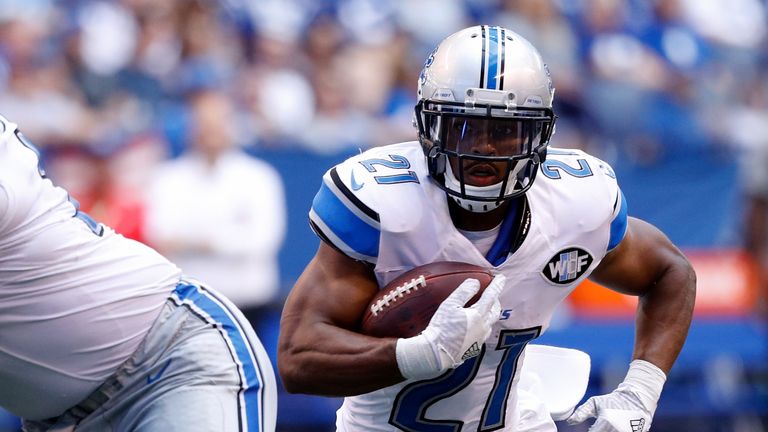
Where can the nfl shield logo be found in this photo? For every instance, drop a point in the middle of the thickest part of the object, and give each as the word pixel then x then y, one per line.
pixel 567 265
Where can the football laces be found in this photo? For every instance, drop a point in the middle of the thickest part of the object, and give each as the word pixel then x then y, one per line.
pixel 398 292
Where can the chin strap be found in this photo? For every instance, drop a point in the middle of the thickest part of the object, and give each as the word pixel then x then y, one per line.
pixel 474 206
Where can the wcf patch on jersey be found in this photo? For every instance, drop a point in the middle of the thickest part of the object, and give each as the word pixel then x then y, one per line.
pixel 567 265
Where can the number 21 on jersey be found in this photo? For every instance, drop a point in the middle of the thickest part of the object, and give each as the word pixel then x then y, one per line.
pixel 411 404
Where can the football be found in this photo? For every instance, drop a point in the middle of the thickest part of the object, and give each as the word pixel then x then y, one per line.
pixel 404 306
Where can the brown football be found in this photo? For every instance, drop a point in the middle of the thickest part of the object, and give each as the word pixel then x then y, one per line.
pixel 404 306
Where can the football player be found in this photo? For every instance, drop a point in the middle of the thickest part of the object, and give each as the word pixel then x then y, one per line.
pixel 99 332
pixel 479 186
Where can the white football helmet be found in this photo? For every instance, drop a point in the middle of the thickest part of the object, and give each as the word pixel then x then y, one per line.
pixel 485 101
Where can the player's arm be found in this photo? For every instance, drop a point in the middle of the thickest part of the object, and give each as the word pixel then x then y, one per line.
pixel 319 350
pixel 648 265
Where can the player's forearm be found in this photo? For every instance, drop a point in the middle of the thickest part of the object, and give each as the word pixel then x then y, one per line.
pixel 664 315
pixel 336 362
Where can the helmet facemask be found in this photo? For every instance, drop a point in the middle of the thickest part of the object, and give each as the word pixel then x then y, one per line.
pixel 483 154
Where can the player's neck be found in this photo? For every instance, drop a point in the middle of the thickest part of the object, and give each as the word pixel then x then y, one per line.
pixel 470 221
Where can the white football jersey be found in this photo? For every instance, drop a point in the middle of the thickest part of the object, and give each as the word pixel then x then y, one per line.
pixel 381 207
pixel 76 299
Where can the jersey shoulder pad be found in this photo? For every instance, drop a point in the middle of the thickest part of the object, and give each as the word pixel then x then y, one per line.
pixel 575 163
pixel 593 181
pixel 375 170
pixel 346 210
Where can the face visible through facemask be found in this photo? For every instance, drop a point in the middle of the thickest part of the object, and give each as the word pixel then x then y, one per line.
pixel 487 142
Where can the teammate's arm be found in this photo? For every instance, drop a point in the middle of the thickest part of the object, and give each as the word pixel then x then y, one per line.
pixel 648 265
pixel 319 350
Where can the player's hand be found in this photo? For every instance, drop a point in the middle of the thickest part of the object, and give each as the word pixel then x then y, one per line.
pixel 630 407
pixel 454 334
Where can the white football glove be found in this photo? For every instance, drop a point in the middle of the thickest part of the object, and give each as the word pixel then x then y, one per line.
pixel 454 334
pixel 630 407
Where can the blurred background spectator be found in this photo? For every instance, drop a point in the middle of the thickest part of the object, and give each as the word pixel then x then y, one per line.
pixel 218 210
pixel 146 110
pixel 90 174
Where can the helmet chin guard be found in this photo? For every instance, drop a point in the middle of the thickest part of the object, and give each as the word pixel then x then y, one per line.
pixel 482 199
pixel 485 99
pixel 493 191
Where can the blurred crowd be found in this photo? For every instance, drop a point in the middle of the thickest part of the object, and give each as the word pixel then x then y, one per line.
pixel 667 76
pixel 110 89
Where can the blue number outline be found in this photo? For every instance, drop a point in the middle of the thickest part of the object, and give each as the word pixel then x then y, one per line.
pixel 397 162
pixel 512 342
pixel 412 402
pixel 551 168
pixel 436 389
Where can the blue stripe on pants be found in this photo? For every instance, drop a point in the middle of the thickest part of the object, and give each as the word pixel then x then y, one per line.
pixel 218 314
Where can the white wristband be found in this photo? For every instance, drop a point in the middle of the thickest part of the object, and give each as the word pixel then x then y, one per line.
pixel 416 358
pixel 647 381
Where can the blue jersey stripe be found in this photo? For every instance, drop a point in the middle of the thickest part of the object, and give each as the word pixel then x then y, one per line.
pixel 345 225
pixel 218 314
pixel 493 57
pixel 619 224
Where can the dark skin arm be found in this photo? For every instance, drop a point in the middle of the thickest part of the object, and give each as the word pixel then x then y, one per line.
pixel 319 349
pixel 648 265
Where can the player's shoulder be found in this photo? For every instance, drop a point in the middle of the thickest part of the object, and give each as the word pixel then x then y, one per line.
pixel 358 194
pixel 585 185
pixel 407 149
pixel 386 159
pixel 380 170
pixel 575 163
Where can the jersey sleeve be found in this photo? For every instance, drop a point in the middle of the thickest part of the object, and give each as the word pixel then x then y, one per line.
pixel 618 225
pixel 618 221
pixel 341 217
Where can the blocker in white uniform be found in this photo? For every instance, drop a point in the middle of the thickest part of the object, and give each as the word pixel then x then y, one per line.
pixel 92 322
